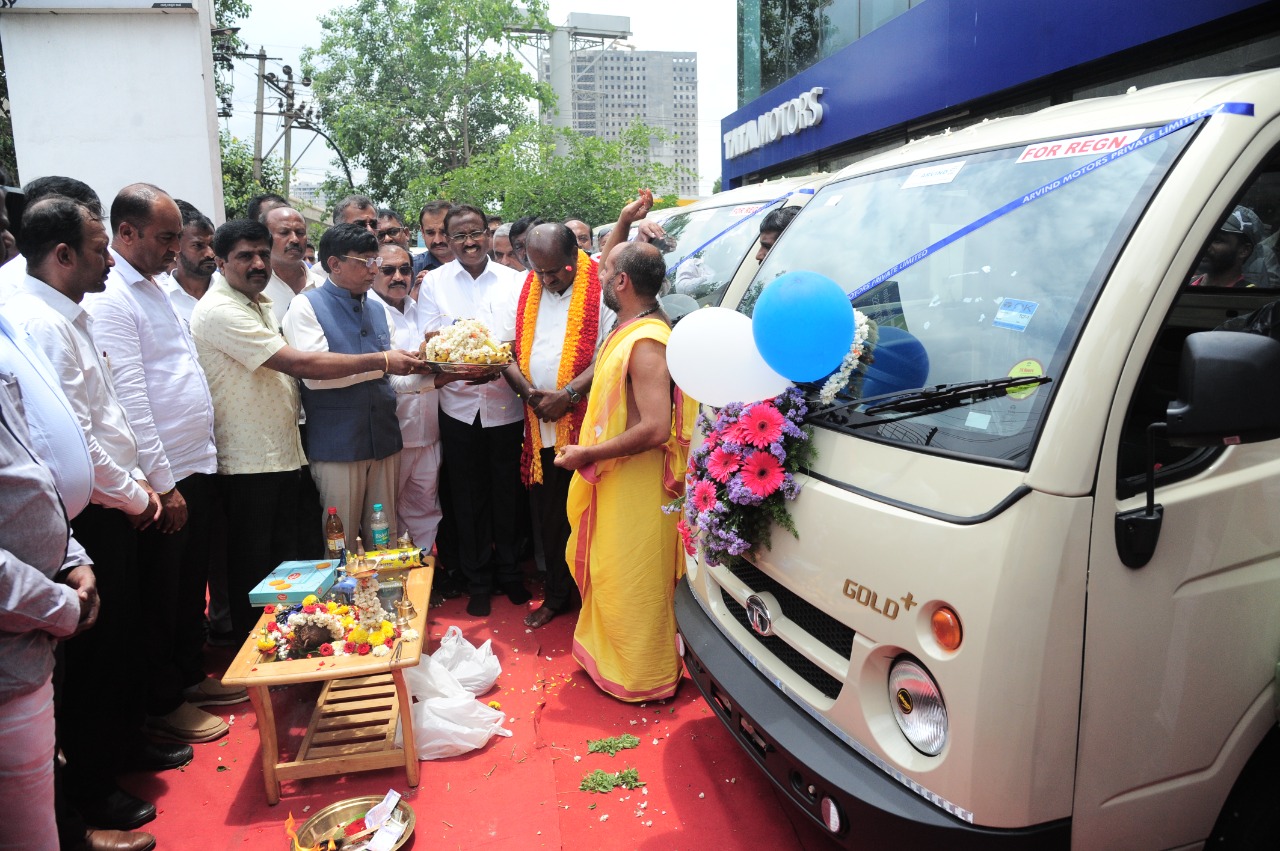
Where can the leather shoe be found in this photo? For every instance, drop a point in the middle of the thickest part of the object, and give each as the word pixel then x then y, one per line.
pixel 118 840
pixel 211 692
pixel 478 606
pixel 159 756
pixel 516 592
pixel 117 811
pixel 187 723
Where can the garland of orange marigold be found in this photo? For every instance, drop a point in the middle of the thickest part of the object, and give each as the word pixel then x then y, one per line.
pixel 576 352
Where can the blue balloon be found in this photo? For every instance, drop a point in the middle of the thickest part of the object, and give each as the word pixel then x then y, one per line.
pixel 901 363
pixel 803 325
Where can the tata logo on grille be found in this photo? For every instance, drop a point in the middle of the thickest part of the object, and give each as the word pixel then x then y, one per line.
pixel 758 615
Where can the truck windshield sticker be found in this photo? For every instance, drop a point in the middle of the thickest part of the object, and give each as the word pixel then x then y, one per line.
pixel 932 175
pixel 977 421
pixel 1227 108
pixel 1029 368
pixel 1014 314
pixel 1103 143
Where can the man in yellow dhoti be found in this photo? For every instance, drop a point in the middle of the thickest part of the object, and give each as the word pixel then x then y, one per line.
pixel 624 551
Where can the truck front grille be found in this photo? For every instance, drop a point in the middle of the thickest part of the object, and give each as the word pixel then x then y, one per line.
pixel 803 614
pixel 786 654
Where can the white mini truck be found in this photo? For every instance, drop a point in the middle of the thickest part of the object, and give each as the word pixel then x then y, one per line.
pixel 1039 613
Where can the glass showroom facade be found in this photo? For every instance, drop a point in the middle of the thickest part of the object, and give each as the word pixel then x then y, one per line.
pixel 824 83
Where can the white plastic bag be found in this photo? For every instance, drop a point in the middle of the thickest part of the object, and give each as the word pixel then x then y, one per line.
pixel 476 668
pixel 447 720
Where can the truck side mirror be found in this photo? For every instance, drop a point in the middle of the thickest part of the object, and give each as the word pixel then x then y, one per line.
pixel 1228 393
pixel 1228 390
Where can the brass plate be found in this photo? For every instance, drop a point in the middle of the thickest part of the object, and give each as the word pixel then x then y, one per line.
pixel 323 823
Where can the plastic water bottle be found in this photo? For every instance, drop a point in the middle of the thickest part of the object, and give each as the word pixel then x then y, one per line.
pixel 380 528
pixel 335 539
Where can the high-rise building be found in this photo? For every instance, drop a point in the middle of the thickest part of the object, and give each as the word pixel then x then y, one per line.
pixel 309 191
pixel 613 88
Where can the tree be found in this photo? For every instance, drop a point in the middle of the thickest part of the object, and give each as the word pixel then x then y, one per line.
pixel 412 86
pixel 591 180
pixel 238 185
pixel 8 156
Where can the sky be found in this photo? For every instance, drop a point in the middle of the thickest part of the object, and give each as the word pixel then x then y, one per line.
pixel 285 27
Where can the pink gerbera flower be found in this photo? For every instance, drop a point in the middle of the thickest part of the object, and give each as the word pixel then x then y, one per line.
pixel 760 425
pixel 761 473
pixel 686 537
pixel 704 496
pixel 721 464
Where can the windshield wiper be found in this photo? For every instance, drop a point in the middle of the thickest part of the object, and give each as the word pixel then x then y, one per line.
pixel 924 400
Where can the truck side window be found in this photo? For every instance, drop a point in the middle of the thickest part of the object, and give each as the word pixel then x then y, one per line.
pixel 1236 274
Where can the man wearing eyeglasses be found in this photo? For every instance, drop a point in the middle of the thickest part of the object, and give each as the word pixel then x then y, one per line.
pixel 290 274
pixel 357 210
pixel 391 229
pixel 481 426
pixel 353 433
pixel 418 507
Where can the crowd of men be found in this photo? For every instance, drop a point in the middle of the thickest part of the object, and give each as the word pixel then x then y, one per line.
pixel 181 404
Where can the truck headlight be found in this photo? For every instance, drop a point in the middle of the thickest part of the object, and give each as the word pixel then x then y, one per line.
pixel 917 706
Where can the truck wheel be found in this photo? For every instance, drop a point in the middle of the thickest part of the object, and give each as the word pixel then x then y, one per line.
pixel 1250 820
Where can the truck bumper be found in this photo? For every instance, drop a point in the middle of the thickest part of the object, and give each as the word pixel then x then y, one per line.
pixel 799 755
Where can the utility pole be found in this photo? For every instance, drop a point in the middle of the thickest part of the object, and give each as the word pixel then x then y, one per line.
pixel 287 111
pixel 257 125
pixel 301 116
pixel 262 58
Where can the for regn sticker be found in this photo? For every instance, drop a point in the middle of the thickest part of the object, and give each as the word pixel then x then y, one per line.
pixel 1082 146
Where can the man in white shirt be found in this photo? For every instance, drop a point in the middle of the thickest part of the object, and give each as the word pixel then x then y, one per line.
pixel 100 724
pixel 552 374
pixel 13 272
pixel 186 285
pixel 190 278
pixel 290 274
pixel 481 427
pixel 418 506
pixel 165 395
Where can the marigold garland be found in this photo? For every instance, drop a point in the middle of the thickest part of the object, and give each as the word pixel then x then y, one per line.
pixel 578 349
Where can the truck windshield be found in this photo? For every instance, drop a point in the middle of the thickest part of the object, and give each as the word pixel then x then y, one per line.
pixel 1007 299
pixel 707 271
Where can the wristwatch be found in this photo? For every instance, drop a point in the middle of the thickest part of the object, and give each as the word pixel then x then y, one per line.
pixel 574 396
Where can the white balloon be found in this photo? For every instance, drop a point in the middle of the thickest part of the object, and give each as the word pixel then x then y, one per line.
pixel 713 358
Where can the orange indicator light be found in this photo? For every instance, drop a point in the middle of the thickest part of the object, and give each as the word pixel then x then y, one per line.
pixel 946 628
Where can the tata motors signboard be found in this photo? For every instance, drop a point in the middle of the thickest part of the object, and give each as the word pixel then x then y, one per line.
pixel 799 113
pixel 94 6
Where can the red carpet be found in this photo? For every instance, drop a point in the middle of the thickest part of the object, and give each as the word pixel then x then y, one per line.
pixel 521 792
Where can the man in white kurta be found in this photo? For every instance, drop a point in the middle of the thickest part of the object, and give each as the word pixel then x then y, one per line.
pixel 419 413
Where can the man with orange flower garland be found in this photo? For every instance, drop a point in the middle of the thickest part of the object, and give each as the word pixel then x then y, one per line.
pixel 626 553
pixel 560 321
